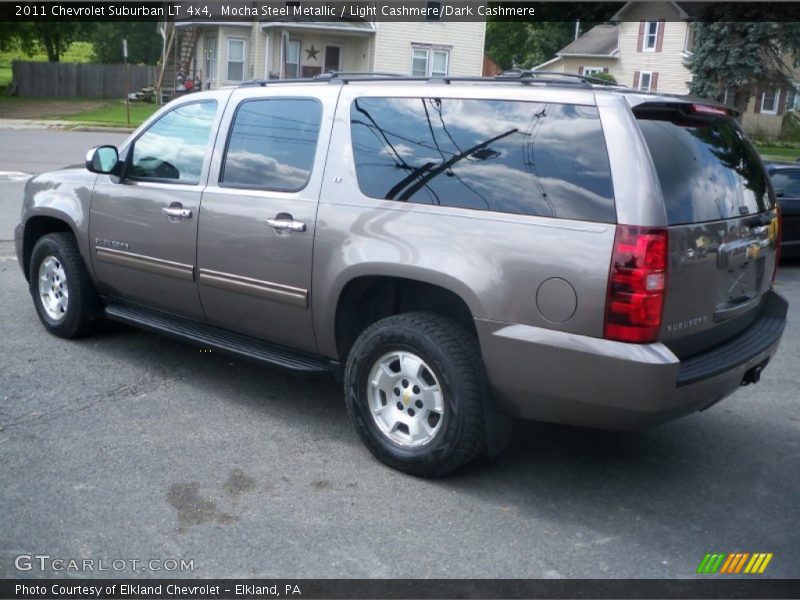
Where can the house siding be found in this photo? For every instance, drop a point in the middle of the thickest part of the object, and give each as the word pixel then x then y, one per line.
pixel 673 75
pixel 670 62
pixel 394 42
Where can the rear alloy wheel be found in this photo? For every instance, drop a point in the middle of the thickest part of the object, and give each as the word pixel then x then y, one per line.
pixel 415 388
pixel 63 295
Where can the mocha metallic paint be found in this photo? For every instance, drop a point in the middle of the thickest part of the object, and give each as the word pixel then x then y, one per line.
pixel 284 287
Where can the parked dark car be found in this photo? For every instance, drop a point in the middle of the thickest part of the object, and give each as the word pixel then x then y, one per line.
pixel 786 181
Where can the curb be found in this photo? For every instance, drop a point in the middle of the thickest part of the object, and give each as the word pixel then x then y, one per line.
pixel 61 125
pixel 101 129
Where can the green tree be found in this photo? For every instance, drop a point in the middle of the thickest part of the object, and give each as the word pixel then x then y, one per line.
pixel 741 57
pixel 52 37
pixel 144 42
pixel 605 77
pixel 525 44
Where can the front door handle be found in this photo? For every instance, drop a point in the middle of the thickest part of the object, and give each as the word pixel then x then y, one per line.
pixel 285 222
pixel 176 211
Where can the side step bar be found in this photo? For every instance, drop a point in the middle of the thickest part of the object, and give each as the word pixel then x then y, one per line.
pixel 236 344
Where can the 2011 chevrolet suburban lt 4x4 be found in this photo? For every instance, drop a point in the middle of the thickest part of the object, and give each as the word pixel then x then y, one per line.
pixel 464 250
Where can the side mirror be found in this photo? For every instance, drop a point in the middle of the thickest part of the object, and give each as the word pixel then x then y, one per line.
pixel 103 160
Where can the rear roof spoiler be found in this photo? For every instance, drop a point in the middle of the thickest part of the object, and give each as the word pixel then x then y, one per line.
pixel 638 100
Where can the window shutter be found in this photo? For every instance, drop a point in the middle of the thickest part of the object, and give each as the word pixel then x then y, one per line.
pixel 653 82
pixel 580 70
pixel 636 80
pixel 783 98
pixel 660 35
pixel 757 108
pixel 605 69
pixel 641 36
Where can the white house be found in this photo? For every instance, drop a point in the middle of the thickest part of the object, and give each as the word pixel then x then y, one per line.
pixel 647 46
pixel 220 54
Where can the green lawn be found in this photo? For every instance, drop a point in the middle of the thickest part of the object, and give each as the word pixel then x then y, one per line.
pixel 779 154
pixel 114 113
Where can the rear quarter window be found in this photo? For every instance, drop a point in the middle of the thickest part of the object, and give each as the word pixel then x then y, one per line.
pixel 527 158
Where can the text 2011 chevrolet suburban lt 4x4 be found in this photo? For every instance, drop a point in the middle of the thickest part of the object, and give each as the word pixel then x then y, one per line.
pixel 464 251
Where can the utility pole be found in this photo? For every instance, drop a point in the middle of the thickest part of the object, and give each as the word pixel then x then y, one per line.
pixel 127 81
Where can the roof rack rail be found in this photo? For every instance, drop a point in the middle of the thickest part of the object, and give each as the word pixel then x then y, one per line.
pixel 346 74
pixel 532 73
pixel 523 76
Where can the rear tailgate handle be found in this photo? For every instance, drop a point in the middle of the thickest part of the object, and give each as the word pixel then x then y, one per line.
pixel 729 312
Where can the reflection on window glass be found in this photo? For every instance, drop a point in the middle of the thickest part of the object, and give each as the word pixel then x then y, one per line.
pixel 788 182
pixel 175 145
pixel 514 157
pixel 272 144
pixel 707 169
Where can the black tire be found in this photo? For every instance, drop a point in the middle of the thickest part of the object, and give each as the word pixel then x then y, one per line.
pixel 453 356
pixel 82 303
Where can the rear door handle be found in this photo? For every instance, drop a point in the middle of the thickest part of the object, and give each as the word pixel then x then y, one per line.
pixel 285 222
pixel 177 212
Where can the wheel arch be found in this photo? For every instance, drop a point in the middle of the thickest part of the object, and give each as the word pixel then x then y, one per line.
pixel 365 299
pixel 36 227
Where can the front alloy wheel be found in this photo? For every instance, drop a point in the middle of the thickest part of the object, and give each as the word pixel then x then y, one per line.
pixel 53 288
pixel 62 292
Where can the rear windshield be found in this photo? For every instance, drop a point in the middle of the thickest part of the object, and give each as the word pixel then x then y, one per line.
pixel 707 168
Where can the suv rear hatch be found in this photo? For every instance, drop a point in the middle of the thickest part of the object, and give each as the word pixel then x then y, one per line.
pixel 723 224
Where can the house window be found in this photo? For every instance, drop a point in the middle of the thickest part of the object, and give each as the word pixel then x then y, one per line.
pixel 794 101
pixel 650 35
pixel 293 58
pixel 769 102
pixel 333 58
pixel 430 62
pixel 688 45
pixel 235 60
pixel 590 71
pixel 645 81
pixel 210 49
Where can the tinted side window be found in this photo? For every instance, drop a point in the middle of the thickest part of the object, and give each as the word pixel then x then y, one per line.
pixel 707 168
pixel 788 181
pixel 272 144
pixel 514 157
pixel 173 147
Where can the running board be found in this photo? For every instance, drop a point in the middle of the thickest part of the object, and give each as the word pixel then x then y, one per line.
pixel 209 336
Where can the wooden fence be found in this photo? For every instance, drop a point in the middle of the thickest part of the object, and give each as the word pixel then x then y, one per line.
pixel 78 80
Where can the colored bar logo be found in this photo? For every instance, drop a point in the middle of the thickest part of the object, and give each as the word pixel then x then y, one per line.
pixel 738 562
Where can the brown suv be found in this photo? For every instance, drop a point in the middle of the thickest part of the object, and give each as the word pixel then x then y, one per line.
pixel 461 251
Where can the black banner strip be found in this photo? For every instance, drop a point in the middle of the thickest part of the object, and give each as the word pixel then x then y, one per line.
pixel 217 11
pixel 309 589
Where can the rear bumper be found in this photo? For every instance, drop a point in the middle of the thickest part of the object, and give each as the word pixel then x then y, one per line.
pixel 566 378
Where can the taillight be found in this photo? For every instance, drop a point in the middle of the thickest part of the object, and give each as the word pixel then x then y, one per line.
pixel 636 284
pixel 778 223
pixel 705 109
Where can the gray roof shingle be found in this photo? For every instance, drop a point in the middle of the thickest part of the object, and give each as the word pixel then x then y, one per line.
pixel 600 40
